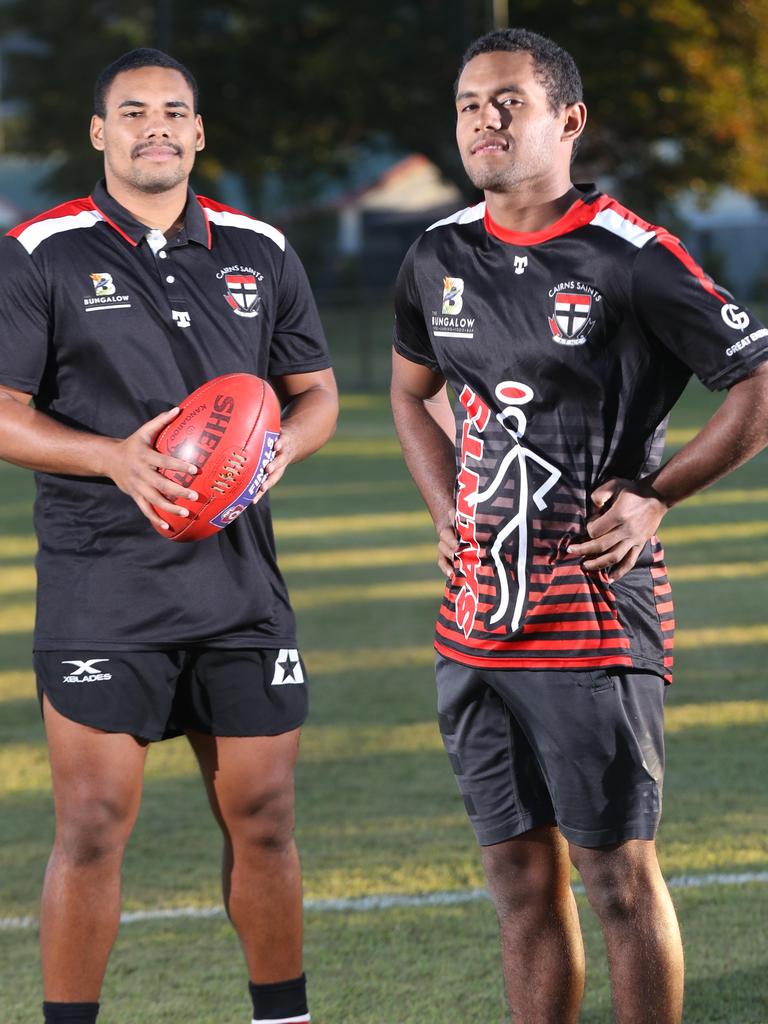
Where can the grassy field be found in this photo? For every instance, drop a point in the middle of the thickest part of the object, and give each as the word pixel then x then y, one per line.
pixel 378 808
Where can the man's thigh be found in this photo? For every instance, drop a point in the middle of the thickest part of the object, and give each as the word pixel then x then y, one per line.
pixel 496 768
pixel 528 748
pixel 598 737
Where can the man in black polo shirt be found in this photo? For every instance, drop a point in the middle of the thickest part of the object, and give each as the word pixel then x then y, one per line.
pixel 113 308
pixel 567 328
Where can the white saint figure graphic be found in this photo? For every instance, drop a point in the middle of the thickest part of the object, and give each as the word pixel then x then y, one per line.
pixel 512 394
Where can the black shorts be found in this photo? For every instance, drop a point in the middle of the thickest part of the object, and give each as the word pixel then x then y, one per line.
pixel 582 750
pixel 158 694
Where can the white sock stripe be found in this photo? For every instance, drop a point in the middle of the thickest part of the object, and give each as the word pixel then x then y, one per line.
pixel 283 1020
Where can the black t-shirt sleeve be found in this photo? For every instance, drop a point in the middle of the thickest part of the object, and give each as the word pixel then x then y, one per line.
pixel 681 307
pixel 23 319
pixel 298 342
pixel 411 337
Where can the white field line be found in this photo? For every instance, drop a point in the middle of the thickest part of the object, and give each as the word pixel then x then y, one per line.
pixel 385 902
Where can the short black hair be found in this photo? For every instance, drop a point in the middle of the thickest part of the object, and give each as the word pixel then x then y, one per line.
pixel 144 57
pixel 553 66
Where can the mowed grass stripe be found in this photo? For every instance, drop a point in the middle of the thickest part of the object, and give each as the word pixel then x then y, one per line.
pixel 390 901
pixel 19 617
pixel 15 579
pixel 24 765
pixel 22 579
pixel 724 496
pixel 15 546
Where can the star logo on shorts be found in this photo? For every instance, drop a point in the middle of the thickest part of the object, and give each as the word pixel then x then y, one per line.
pixel 287 668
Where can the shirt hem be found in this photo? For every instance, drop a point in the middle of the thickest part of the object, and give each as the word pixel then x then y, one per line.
pixel 119 644
pixel 567 664
pixel 19 384
pixel 734 374
pixel 306 367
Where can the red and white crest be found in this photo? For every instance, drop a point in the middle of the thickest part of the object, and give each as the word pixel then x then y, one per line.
pixel 572 313
pixel 242 294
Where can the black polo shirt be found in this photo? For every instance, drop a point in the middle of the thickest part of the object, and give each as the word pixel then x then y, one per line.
pixel 566 349
pixel 106 333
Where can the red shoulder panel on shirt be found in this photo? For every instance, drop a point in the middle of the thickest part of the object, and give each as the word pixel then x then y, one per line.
pixel 68 209
pixel 669 241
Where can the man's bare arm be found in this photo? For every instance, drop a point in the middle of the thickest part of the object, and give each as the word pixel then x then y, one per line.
pixel 310 410
pixel 424 424
pixel 33 440
pixel 634 509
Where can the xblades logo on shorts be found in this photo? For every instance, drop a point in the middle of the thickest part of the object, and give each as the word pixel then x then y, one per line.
pixel 85 672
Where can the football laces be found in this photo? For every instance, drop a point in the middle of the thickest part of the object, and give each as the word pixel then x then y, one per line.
pixel 229 473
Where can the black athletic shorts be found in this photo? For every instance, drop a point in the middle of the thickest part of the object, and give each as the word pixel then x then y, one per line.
pixel 582 750
pixel 158 694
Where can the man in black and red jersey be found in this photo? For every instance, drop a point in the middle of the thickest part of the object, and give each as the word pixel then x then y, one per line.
pixel 112 309
pixel 567 328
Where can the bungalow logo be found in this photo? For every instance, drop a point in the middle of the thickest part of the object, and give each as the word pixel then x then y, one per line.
pixel 104 295
pixel 449 323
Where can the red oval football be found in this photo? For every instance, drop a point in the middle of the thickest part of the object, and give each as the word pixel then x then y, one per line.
pixel 227 428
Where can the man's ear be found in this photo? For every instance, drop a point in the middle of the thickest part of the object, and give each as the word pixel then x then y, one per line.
pixel 574 122
pixel 97 132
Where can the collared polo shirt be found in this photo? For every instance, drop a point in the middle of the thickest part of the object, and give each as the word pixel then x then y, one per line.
pixel 106 333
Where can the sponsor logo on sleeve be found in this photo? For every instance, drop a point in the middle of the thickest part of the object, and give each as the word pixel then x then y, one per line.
pixel 737 346
pixel 734 317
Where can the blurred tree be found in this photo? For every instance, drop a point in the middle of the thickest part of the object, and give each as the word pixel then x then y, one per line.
pixel 676 88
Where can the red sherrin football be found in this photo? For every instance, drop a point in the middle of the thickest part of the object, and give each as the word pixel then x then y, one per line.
pixel 227 428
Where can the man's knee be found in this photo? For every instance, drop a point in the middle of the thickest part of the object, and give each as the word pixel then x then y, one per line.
pixel 92 828
pixel 528 871
pixel 617 880
pixel 263 821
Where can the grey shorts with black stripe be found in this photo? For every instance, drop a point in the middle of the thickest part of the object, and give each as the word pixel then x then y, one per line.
pixel 582 750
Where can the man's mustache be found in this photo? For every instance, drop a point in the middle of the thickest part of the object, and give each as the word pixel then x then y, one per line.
pixel 140 147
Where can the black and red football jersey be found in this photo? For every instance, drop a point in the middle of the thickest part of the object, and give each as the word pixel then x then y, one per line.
pixel 566 349
pixel 107 330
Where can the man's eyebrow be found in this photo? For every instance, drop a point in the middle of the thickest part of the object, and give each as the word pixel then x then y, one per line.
pixel 469 94
pixel 141 103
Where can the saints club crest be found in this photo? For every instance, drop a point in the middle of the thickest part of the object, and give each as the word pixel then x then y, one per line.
pixel 570 321
pixel 242 294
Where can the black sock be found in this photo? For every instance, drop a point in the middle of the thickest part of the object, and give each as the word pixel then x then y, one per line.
pixel 70 1013
pixel 280 1001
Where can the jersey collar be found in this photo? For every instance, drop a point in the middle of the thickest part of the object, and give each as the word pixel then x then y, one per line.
pixel 576 216
pixel 195 222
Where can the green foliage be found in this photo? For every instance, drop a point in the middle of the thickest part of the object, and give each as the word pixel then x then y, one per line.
pixel 676 88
